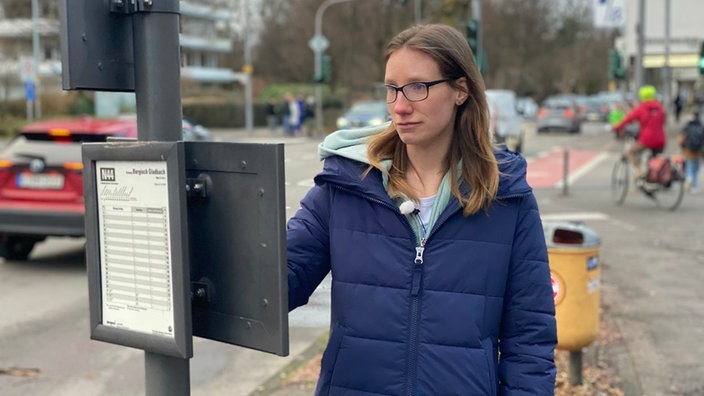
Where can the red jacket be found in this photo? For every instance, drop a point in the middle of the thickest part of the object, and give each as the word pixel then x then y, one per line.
pixel 651 117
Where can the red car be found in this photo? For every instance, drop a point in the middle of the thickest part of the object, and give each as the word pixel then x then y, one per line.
pixel 41 181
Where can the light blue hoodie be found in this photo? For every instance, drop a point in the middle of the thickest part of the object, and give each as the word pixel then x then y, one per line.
pixel 351 143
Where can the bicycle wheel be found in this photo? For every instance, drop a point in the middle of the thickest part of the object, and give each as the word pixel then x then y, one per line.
pixel 619 181
pixel 669 196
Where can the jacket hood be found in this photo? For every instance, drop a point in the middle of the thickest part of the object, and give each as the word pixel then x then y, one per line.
pixel 512 174
pixel 339 170
pixel 349 143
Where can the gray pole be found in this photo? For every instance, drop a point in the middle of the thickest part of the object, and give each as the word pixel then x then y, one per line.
pixel 417 12
pixel 159 114
pixel 318 67
pixel 35 58
pixel 667 95
pixel 477 14
pixel 248 105
pixel 640 37
pixel 157 74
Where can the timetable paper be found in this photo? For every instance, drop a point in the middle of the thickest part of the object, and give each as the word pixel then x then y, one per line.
pixel 135 246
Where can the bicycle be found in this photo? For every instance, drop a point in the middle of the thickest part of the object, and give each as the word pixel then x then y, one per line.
pixel 667 191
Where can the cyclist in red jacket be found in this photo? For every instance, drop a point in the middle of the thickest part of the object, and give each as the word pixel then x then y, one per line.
pixel 651 116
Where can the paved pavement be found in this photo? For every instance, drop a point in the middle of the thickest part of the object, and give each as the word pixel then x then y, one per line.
pixel 258 135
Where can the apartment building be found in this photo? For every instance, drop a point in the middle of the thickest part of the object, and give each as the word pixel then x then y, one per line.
pixel 204 37
pixel 680 52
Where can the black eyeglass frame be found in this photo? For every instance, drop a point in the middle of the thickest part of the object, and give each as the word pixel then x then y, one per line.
pixel 427 84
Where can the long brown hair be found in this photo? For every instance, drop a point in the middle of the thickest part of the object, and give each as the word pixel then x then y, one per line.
pixel 471 141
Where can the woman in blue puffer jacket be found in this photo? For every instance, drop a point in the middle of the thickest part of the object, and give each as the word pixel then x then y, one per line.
pixel 440 280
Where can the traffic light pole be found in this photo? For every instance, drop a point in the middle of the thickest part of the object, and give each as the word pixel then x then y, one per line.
pixel 640 33
pixel 667 72
pixel 318 67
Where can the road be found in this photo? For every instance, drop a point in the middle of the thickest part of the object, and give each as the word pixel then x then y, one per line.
pixel 651 279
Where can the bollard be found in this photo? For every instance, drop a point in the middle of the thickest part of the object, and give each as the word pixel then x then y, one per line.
pixel 565 172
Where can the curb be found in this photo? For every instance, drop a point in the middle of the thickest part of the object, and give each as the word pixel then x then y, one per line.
pixel 276 384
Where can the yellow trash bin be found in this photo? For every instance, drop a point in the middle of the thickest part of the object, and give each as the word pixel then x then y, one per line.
pixel 573 255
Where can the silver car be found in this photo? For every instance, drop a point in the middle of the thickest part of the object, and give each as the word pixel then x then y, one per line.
pixel 559 113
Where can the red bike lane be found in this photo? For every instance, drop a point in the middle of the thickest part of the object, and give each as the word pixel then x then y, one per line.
pixel 547 170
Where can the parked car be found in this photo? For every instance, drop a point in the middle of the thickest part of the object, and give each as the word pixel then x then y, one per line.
pixel 559 112
pixel 365 113
pixel 505 124
pixel 41 180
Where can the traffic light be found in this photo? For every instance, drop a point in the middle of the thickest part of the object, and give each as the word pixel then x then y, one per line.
pixel 701 60
pixel 616 69
pixel 473 35
pixel 325 70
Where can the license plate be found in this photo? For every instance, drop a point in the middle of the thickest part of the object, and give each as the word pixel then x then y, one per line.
pixel 40 181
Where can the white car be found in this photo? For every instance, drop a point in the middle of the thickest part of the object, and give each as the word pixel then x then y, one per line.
pixel 505 123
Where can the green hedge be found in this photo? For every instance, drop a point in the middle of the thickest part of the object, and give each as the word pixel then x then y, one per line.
pixel 231 115
pixel 10 126
pixel 223 115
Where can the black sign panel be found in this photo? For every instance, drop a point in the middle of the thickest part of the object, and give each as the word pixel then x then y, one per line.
pixel 96 47
pixel 237 235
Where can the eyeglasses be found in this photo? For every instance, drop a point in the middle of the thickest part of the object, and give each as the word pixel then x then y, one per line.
pixel 413 91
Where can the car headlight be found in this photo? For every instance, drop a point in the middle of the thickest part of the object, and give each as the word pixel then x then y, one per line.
pixel 342 123
pixel 375 121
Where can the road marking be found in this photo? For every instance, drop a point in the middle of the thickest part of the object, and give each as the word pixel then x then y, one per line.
pixel 306 183
pixel 576 175
pixel 574 216
pixel 547 169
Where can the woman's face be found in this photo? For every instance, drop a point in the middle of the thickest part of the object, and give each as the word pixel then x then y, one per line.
pixel 429 121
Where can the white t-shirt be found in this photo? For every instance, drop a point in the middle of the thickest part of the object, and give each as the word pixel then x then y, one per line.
pixel 426 206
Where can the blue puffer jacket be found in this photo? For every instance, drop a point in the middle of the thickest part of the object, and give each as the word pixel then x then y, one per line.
pixel 400 327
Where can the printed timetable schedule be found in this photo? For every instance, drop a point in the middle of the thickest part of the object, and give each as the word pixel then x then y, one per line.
pixel 135 246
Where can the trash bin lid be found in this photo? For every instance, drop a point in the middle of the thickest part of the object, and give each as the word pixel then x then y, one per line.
pixel 570 234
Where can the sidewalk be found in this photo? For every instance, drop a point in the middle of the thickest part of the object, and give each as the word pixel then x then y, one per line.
pixel 258 135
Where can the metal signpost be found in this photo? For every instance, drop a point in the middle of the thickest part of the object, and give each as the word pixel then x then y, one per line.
pixel 182 238
pixel 27 77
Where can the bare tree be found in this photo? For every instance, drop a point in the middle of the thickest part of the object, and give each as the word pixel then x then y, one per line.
pixel 536 46
pixel 357 32
pixel 532 46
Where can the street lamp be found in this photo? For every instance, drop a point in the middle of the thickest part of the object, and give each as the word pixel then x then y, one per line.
pixel 319 44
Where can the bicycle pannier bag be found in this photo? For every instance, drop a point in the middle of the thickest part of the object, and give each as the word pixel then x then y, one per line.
pixel 659 170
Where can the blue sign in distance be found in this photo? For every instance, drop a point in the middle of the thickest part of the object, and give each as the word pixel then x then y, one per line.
pixel 29 91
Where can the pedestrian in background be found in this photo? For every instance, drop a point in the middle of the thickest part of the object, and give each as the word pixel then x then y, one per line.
pixel 679 104
pixel 309 111
pixel 301 103
pixel 272 115
pixel 691 140
pixel 294 115
pixel 285 110
pixel 440 279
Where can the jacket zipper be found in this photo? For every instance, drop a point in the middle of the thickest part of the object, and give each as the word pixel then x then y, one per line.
pixel 416 287
pixel 416 284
